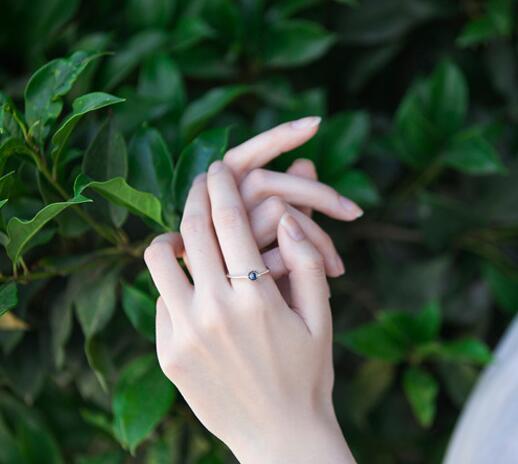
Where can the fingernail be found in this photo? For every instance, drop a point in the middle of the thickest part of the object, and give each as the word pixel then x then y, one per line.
pixel 351 207
pixel 292 227
pixel 215 167
pixel 340 268
pixel 306 123
pixel 199 178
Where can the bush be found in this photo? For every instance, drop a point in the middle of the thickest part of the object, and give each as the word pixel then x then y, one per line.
pixel 109 110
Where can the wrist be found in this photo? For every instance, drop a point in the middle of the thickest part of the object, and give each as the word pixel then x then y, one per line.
pixel 300 440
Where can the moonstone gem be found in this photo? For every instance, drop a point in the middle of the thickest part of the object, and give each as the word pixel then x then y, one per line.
pixel 252 275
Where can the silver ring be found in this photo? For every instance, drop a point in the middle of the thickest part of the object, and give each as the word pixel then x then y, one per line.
pixel 252 275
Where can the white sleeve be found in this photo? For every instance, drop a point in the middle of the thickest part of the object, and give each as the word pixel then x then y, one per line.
pixel 487 431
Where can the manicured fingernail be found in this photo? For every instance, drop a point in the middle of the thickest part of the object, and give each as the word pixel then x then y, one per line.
pixel 340 268
pixel 215 167
pixel 351 207
pixel 199 178
pixel 292 227
pixel 306 123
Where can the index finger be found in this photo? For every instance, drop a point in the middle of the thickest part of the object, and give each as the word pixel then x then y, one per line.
pixel 262 148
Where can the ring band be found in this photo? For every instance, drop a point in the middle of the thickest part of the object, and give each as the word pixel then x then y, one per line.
pixel 252 275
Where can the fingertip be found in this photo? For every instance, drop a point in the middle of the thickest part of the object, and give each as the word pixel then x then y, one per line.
pixel 292 227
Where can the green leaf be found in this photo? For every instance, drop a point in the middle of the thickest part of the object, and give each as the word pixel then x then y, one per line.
pixel 421 390
pixel 471 153
pixel 120 193
pixel 416 138
pixel 448 98
pixel 371 381
pixel 34 440
pixel 201 111
pixel 160 79
pixel 45 88
pixel 95 297
pixel 99 359
pixel 143 14
pixel 20 232
pixel 142 398
pixel 150 165
pixel 465 350
pixel 427 323
pixel 13 146
pixel 134 52
pixel 8 297
pixel 81 106
pixel 196 158
pixel 374 341
pixel 295 43
pixel 342 138
pixel 140 309
pixel 189 31
pixel 496 22
pixel 106 158
pixel 357 186
pixel 6 181
pixel 504 286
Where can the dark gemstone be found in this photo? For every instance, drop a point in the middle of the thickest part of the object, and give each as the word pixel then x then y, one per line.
pixel 252 275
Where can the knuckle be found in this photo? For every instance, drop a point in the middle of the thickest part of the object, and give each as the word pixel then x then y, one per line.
pixel 155 251
pixel 313 263
pixel 276 206
pixel 194 223
pixel 230 217
pixel 255 179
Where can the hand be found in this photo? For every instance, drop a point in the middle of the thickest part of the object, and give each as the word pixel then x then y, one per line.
pixel 256 372
pixel 268 195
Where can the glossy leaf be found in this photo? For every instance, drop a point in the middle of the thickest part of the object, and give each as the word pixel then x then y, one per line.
pixel 106 158
pixel 161 80
pixel 81 106
pixel 357 186
pixel 421 390
pixel 448 98
pixel 8 297
pixel 148 14
pixel 95 298
pixel 196 158
pixel 20 232
pixel 201 111
pixel 465 350
pixel 295 42
pixel 374 341
pixel 140 309
pixel 142 398
pixel 118 192
pixel 471 153
pixel 150 164
pixel 46 88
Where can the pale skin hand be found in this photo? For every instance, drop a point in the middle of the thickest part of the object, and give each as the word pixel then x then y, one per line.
pixel 256 371
pixel 268 195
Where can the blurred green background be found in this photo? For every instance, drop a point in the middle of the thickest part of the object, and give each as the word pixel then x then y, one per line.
pixel 129 100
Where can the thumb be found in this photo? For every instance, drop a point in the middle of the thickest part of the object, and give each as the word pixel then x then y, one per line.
pixel 309 288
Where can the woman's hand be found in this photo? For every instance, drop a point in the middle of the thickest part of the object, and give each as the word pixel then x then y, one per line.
pixel 257 372
pixel 268 195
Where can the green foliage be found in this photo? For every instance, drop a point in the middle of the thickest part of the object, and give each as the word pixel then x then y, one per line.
pixel 109 110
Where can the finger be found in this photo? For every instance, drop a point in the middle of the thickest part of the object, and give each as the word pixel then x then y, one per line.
pixel 265 218
pixel 201 247
pixel 230 220
pixel 262 148
pixel 309 290
pixel 303 168
pixel 164 334
pixel 261 183
pixel 167 274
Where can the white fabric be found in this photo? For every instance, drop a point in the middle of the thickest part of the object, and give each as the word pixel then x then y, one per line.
pixel 487 432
